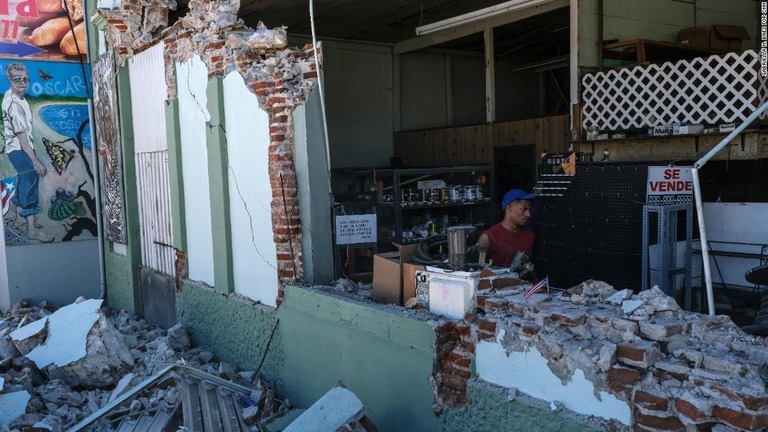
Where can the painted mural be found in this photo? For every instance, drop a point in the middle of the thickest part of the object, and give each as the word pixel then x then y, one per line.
pixel 42 29
pixel 46 181
pixel 108 139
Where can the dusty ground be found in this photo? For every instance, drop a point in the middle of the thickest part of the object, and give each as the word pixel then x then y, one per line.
pixel 55 406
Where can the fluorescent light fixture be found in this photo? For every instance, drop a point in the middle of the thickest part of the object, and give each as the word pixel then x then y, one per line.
pixel 479 15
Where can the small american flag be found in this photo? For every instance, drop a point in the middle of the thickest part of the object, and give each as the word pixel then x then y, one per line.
pixel 544 283
pixel 7 191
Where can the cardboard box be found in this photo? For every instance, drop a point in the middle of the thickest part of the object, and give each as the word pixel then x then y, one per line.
pixel 388 274
pixel 409 279
pixel 719 37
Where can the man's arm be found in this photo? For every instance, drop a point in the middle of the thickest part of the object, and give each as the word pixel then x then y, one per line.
pixel 482 246
pixel 26 146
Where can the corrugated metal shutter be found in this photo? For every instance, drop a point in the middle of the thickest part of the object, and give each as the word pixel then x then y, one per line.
pixel 148 90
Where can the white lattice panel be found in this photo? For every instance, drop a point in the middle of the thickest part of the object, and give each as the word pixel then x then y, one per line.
pixel 713 90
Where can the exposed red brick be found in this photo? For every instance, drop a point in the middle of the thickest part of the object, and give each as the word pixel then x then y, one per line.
pixel 741 419
pixel 463 362
pixel 754 403
pixel 531 329
pixel 468 346
pixel 494 304
pixel 487 273
pixel 689 410
pixel 650 401
pixel 484 284
pixel 487 325
pixel 480 300
pixel 669 423
pixel 623 375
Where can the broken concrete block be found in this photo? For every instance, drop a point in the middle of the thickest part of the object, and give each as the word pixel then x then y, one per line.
pixel 661 329
pixel 178 338
pixel 629 306
pixel 336 408
pixel 30 336
pixel 607 356
pixel 657 301
pixel 82 347
pixel 12 406
pixel 8 349
pixel 227 370
pixel 619 297
pixel 280 423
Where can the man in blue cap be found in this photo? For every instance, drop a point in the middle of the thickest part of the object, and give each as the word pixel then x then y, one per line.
pixel 504 240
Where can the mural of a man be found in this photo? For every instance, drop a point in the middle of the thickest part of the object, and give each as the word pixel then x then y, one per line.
pixel 19 145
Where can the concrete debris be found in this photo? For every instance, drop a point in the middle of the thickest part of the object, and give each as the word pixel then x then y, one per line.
pixel 80 346
pixel 677 370
pixel 178 339
pixel 630 306
pixel 49 399
pixel 338 410
pixel 259 39
pixel 619 297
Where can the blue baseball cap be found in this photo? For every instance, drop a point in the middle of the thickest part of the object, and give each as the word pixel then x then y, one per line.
pixel 514 195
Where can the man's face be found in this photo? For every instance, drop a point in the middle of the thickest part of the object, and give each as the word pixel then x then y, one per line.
pixel 19 81
pixel 519 212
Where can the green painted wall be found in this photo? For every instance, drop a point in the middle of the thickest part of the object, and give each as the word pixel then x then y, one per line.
pixel 120 280
pixel 492 411
pixel 385 359
pixel 383 354
pixel 235 329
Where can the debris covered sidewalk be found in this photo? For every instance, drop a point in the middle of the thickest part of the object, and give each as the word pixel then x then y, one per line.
pixel 80 368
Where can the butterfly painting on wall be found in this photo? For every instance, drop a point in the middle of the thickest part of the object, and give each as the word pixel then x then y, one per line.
pixel 60 157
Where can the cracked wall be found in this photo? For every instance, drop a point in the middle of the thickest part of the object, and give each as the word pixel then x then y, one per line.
pixel 280 77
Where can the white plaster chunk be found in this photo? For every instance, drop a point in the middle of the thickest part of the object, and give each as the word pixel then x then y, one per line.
pixel 29 337
pixel 29 330
pixel 2 382
pixel 528 373
pixel 82 347
pixel 619 297
pixel 629 306
pixel 337 407
pixel 12 405
pixel 68 330
pixel 607 356
pixel 121 386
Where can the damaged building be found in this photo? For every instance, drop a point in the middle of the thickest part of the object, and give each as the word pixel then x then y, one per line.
pixel 284 193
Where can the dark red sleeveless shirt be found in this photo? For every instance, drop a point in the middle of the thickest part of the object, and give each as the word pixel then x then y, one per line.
pixel 504 244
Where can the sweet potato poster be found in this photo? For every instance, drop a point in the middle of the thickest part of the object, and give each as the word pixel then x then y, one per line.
pixel 42 29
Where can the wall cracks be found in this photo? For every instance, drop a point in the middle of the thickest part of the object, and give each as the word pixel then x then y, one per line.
pixel 280 77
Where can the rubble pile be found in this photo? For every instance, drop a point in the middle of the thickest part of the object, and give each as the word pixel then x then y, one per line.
pixel 675 369
pixel 59 389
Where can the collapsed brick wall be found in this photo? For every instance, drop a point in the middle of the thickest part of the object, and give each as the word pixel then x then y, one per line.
pixel 676 370
pixel 280 77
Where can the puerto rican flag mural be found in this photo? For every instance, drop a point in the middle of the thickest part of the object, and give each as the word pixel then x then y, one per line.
pixel 7 191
